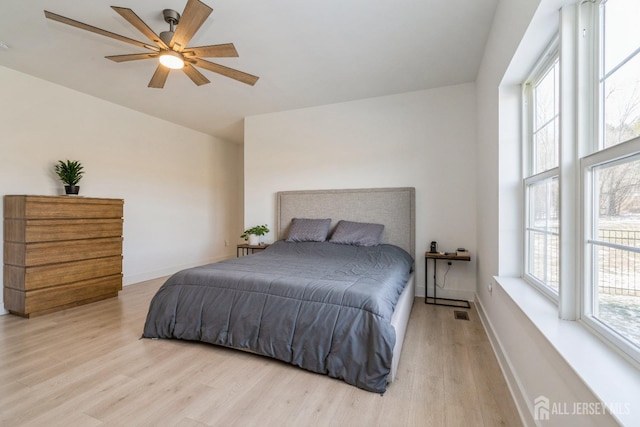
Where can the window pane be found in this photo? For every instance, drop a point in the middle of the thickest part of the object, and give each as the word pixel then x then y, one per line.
pixel 621 19
pixel 543 259
pixel 617 247
pixel 542 232
pixel 545 147
pixel 546 100
pixel 621 93
pixel 545 121
pixel 620 71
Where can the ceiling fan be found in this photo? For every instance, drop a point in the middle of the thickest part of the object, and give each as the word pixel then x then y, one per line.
pixel 171 46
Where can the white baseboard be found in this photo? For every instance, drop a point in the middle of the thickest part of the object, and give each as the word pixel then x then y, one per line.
pixel 130 279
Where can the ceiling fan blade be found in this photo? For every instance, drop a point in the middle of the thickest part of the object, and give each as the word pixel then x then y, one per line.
pixel 219 51
pixel 159 77
pixel 195 75
pixel 131 57
pixel 140 25
pixel 193 16
pixel 97 30
pixel 226 71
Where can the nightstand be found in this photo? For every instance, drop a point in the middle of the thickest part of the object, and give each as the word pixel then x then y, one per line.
pixel 435 256
pixel 246 249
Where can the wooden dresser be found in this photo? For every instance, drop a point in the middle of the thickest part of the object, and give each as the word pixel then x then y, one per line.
pixel 60 252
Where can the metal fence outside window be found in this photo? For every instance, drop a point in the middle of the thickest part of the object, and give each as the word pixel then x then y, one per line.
pixel 619 271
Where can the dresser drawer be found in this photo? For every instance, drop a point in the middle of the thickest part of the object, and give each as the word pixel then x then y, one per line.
pixel 42 301
pixel 61 207
pixel 32 254
pixel 43 276
pixel 48 230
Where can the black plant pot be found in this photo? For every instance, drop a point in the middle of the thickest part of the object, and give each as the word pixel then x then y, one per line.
pixel 71 189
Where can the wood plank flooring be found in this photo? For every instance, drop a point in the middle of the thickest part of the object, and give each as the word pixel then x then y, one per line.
pixel 86 366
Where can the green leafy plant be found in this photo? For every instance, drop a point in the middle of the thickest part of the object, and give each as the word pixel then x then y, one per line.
pixel 258 230
pixel 69 172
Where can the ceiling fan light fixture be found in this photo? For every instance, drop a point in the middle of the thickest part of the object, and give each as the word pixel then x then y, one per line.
pixel 170 47
pixel 171 59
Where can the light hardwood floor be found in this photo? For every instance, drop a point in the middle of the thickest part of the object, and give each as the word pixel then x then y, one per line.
pixel 86 366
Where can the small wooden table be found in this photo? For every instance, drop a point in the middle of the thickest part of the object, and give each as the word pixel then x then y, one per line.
pixel 435 256
pixel 246 249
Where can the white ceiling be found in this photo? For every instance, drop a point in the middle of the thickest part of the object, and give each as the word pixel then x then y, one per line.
pixel 306 53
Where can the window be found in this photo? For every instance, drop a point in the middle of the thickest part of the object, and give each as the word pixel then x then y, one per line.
pixel 612 181
pixel 541 184
pixel 597 165
pixel 614 247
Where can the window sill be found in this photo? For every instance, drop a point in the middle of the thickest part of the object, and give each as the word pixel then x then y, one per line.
pixel 615 381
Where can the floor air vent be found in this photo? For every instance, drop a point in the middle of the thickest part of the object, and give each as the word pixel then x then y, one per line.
pixel 461 315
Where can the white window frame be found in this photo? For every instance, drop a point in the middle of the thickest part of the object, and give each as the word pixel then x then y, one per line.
pixel 580 153
pixel 616 153
pixel 543 66
pixel 528 183
pixel 593 154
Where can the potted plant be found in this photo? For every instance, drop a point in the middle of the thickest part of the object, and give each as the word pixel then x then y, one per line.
pixel 70 173
pixel 253 234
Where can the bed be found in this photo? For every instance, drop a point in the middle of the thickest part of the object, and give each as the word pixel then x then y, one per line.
pixel 330 307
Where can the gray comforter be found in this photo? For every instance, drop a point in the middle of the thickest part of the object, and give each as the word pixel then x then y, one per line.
pixel 321 306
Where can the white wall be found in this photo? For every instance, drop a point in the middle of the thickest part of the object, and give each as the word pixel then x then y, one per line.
pixel 532 366
pixel 422 139
pixel 182 189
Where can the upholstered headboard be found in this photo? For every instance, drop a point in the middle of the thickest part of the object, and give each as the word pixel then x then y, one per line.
pixel 393 207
